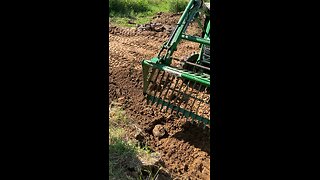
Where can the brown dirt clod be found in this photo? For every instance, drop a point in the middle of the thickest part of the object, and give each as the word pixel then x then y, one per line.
pixel 159 131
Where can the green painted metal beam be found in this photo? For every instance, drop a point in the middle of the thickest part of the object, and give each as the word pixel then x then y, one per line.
pixel 196 39
pixel 185 112
pixel 189 75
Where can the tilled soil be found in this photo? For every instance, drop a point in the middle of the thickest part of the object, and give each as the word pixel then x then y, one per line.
pixel 185 147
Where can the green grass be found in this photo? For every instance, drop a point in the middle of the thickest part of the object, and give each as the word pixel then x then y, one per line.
pixel 177 5
pixel 141 11
pixel 123 152
pixel 120 154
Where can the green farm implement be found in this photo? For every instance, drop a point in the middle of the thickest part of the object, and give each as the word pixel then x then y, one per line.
pixel 184 89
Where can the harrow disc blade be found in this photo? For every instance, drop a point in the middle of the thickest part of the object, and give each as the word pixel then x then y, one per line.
pixel 177 91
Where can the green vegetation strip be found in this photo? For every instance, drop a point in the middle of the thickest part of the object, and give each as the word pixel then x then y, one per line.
pixel 124 153
pixel 141 11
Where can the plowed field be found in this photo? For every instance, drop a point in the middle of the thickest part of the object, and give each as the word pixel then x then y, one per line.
pixel 185 150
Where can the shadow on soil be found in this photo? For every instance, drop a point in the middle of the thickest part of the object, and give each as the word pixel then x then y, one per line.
pixel 124 164
pixel 195 135
pixel 122 161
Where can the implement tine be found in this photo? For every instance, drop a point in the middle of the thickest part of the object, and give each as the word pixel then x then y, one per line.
pixel 157 85
pixel 154 85
pixel 186 103
pixel 195 99
pixel 150 80
pixel 182 98
pixel 165 95
pixel 176 98
pixel 173 90
pixel 204 126
pixel 200 104
pixel 162 89
pixel 151 74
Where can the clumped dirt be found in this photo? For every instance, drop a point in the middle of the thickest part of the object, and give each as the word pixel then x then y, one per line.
pixel 184 147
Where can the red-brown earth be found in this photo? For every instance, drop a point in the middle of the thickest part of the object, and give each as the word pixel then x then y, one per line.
pixel 185 150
